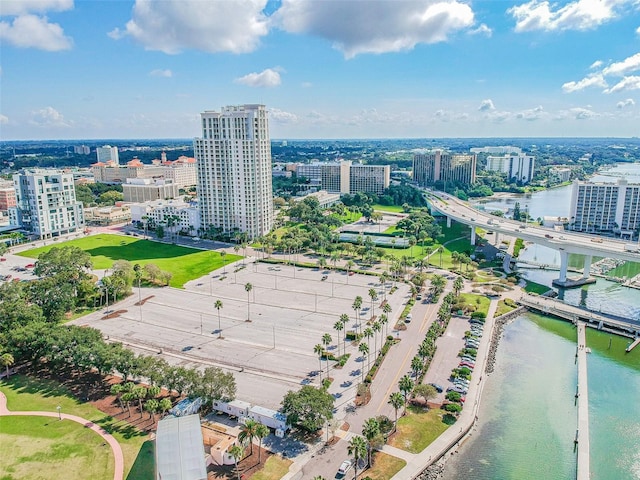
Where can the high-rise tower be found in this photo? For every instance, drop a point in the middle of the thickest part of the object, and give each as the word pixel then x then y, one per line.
pixel 234 170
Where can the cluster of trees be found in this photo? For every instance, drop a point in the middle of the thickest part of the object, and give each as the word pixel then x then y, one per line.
pixel 98 194
pixel 309 408
pixel 419 226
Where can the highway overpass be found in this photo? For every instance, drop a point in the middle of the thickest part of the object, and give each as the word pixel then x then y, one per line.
pixel 565 242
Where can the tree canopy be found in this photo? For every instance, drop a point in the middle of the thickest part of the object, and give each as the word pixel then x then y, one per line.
pixel 309 408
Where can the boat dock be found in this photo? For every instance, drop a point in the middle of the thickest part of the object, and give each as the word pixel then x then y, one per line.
pixel 633 345
pixel 582 397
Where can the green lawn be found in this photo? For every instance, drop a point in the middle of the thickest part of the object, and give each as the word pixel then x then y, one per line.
pixel 417 429
pixel 533 287
pixel 503 308
pixel 479 301
pixel 184 263
pixel 384 466
pixel 388 208
pixel 26 393
pixel 62 449
pixel 274 469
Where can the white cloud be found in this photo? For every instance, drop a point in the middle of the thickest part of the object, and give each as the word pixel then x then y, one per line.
pixel 486 105
pixel 596 64
pixel 638 31
pixel 628 65
pixel 48 117
pixel 3 119
pixel 266 78
pixel 631 82
pixel 593 80
pixel 158 72
pixel 482 29
pixel 442 115
pixel 366 26
pixel 531 114
pixel 582 113
pixel 282 117
pixel 629 102
pixel 19 7
pixel 307 84
pixel 31 31
pixel 211 26
pixel 575 15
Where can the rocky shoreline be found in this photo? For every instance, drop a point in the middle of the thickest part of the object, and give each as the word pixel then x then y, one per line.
pixel 500 322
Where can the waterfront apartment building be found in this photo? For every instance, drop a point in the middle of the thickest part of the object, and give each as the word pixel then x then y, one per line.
pixel 145 190
pixel 46 204
pixel 605 208
pixel 108 154
pixel 441 166
pixel 234 170
pixel 517 166
pixel 560 174
pixel 182 172
pixel 346 177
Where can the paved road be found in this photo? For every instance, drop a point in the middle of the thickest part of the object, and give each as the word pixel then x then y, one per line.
pixel 115 446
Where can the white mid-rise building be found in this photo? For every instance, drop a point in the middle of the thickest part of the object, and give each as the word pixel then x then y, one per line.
pixel 46 204
pixel 186 216
pixel 496 150
pixel 605 208
pixel 145 190
pixel 234 170
pixel 108 154
pixel 517 166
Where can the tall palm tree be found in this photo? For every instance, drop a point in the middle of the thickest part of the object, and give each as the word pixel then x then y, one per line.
pixel 370 430
pixel 247 288
pixel 218 306
pixel 364 350
pixel 224 264
pixel 236 453
pixel 326 340
pixel 387 310
pixel 383 283
pixel 374 296
pixel 6 360
pixel 248 433
pixel 338 327
pixel 377 327
pixel 396 400
pixel 406 386
pixel 357 305
pixel 457 285
pixel 368 333
pixel 440 250
pixel 358 448
pixel 416 366
pixel 319 350
pixel 261 431
pixel 428 251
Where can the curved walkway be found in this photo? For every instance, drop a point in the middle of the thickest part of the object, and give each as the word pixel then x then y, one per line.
pixel 115 446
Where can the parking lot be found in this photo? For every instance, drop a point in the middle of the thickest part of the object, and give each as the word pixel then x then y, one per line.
pixel 14 268
pixel 289 310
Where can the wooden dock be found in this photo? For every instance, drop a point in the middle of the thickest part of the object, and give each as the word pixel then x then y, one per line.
pixel 633 345
pixel 582 394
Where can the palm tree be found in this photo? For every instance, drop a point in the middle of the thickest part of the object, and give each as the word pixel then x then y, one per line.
pixel 374 296
pixel 6 360
pixel 218 306
pixel 440 250
pixel 377 327
pixel 357 305
pixel 370 430
pixel 416 365
pixel 261 431
pixel 319 350
pixel 387 310
pixel 248 433
pixel 406 386
pixel 247 288
pixel 326 340
pixel 383 283
pixel 338 327
pixel 427 251
pixel 224 264
pixel 457 285
pixel 364 350
pixel 368 333
pixel 349 266
pixel 236 453
pixel 358 448
pixel 396 401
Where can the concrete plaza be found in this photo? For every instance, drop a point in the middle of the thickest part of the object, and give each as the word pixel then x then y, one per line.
pixel 289 308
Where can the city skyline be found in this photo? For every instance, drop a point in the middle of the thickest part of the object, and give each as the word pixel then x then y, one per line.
pixel 328 69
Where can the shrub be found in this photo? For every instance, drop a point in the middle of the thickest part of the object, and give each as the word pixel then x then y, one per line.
pixel 479 315
pixel 453 396
pixel 452 407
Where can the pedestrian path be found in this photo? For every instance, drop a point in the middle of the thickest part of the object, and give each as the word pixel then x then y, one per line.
pixel 115 446
pixel 582 434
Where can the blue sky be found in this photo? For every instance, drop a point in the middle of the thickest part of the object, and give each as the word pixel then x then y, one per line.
pixel 324 68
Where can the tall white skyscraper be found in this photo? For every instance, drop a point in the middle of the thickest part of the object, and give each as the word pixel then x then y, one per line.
pixel 108 153
pixel 234 170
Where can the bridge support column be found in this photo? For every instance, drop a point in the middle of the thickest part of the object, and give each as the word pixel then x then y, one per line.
pixel 497 238
pixel 564 263
pixel 587 266
pixel 473 235
pixel 448 222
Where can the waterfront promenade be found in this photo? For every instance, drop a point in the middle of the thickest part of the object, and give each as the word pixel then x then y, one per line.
pixel 582 394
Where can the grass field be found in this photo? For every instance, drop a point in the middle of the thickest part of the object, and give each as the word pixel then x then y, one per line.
pixel 503 308
pixel 479 301
pixel 274 469
pixel 533 287
pixel 417 429
pixel 184 263
pixel 26 393
pixel 388 208
pixel 384 467
pixel 57 449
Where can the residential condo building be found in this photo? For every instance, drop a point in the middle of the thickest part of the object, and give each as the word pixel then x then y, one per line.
pixel 441 166
pixel 605 208
pixel 517 166
pixel 234 170
pixel 46 204
pixel 346 177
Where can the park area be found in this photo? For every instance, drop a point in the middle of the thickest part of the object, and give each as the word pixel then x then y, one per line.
pixel 182 262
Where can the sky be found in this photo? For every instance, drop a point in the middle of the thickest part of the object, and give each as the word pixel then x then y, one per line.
pixel 324 68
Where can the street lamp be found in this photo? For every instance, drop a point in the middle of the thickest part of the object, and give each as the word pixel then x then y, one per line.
pixel 59 414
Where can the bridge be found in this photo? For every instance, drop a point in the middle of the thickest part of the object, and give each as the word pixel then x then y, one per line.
pixel 564 241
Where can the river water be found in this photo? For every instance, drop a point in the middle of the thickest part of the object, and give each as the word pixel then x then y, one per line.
pixel 527 417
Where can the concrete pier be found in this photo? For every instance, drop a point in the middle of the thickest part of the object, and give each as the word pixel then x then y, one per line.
pixel 582 394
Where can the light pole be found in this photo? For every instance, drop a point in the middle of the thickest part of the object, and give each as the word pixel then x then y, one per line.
pixel 59 414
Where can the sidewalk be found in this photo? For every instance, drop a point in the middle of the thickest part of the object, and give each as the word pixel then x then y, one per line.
pixel 115 446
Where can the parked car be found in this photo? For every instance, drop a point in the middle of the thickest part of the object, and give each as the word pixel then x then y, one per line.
pixel 438 388
pixel 345 467
pixel 30 265
pixel 408 318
